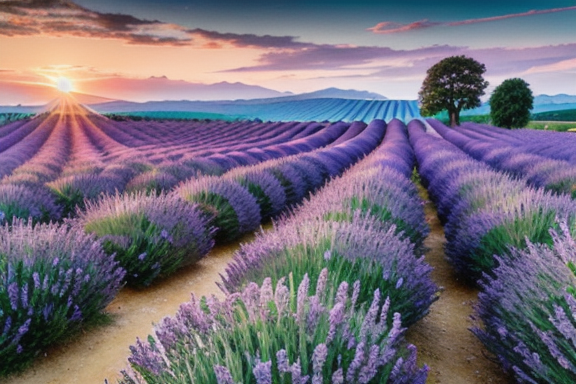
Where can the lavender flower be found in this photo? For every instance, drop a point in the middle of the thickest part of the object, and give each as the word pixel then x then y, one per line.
pixel 263 372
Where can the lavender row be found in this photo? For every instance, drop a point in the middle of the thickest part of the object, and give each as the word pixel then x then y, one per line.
pixel 18 153
pixel 484 211
pixel 555 175
pixel 153 235
pixel 243 198
pixel 74 189
pixel 372 210
pixel 551 144
pixel 342 323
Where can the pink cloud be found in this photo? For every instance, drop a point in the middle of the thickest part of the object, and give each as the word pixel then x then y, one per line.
pixel 388 27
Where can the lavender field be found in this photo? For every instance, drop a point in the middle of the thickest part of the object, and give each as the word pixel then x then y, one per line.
pixel 329 275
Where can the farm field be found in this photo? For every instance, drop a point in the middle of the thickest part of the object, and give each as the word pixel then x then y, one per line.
pixel 383 242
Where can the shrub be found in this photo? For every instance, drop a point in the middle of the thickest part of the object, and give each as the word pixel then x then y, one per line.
pixel 152 182
pixel 234 209
pixel 383 193
pixel 73 191
pixel 527 216
pixel 262 335
pixel 528 311
pixel 266 188
pixel 359 250
pixel 25 202
pixel 51 280
pixel 151 236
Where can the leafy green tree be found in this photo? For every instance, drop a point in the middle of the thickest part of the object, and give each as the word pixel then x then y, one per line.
pixel 511 103
pixel 453 84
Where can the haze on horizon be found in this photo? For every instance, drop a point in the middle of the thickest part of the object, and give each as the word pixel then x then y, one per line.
pixel 298 46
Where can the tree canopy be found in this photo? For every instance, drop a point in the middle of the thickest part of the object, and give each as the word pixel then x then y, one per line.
pixel 511 103
pixel 453 84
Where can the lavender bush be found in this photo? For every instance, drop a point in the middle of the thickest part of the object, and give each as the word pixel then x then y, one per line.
pixel 528 312
pixel 52 279
pixel 73 191
pixel 152 182
pixel 150 236
pixel 266 188
pixel 284 335
pixel 512 221
pixel 358 250
pixel 235 211
pixel 24 202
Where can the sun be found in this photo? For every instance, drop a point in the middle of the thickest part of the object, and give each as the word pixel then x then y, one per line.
pixel 63 84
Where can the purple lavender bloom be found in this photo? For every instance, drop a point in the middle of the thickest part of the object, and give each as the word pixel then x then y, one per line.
pixel 263 372
pixel 223 375
pixel 283 363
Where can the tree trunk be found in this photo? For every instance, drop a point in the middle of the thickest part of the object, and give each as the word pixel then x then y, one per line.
pixel 454 118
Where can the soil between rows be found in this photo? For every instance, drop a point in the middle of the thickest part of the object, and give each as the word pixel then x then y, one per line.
pixel 443 338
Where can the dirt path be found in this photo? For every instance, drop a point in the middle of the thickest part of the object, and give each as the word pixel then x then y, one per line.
pixel 102 352
pixel 453 353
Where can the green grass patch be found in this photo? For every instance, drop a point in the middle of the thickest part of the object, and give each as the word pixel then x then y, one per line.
pixel 562 115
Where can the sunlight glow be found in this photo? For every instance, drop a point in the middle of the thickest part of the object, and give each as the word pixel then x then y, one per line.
pixel 64 84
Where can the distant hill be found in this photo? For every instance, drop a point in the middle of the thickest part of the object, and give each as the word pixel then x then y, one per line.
pixel 162 88
pixel 337 93
pixel 556 99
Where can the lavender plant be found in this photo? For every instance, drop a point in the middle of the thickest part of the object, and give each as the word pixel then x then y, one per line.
pixel 525 217
pixel 52 279
pixel 266 188
pixel 235 211
pixel 528 312
pixel 356 250
pixel 152 182
pixel 284 335
pixel 150 236
pixel 24 202
pixel 72 192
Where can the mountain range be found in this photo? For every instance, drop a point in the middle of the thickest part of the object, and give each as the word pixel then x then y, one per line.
pixel 161 89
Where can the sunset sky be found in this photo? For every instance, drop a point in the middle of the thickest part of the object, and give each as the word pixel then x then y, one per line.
pixel 286 45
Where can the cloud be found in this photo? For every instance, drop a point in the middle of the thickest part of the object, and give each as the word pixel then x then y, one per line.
pixel 65 18
pixel 560 66
pixel 389 27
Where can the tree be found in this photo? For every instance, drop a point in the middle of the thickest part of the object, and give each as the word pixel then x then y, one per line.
pixel 453 84
pixel 511 103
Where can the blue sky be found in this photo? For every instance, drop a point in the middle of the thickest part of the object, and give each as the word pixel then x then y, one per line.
pixel 381 46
